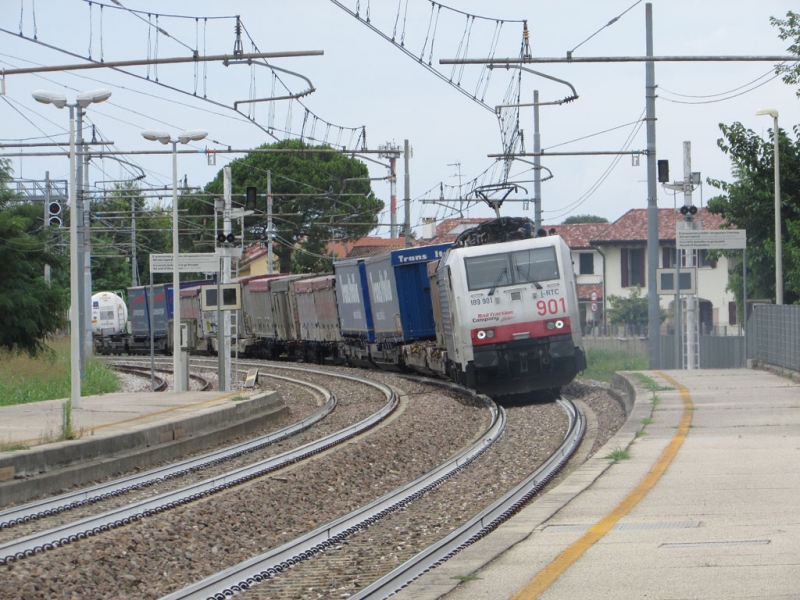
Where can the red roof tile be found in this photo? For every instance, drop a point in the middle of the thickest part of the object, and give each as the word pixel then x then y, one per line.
pixel 632 226
pixel 585 290
pixel 375 246
pixel 578 235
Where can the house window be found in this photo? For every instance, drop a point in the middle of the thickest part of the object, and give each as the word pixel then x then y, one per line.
pixel 668 257
pixel 586 263
pixel 632 267
pixel 697 258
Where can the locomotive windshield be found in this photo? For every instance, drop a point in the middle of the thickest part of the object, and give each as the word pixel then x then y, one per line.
pixel 511 268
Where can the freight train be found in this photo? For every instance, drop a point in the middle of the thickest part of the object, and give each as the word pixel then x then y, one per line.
pixel 497 311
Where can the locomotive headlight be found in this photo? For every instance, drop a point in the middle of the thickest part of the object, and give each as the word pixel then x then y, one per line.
pixel 481 334
pixel 559 324
pixel 550 325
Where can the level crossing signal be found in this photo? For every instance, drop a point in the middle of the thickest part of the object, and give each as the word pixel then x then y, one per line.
pixel 54 218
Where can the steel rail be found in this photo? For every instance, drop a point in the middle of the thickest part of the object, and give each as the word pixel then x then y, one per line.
pixel 160 383
pixel 262 567
pixel 64 502
pixel 53 538
pixel 487 520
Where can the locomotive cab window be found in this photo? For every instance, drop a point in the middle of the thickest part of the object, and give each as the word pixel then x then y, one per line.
pixel 535 265
pixel 488 271
pixel 504 269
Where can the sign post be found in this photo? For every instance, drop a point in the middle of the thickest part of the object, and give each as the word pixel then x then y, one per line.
pixel 720 239
pixel 197 262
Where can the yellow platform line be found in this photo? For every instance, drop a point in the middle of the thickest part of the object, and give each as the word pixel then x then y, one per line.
pixel 563 561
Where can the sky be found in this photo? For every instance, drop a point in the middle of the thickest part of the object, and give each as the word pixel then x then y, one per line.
pixel 364 82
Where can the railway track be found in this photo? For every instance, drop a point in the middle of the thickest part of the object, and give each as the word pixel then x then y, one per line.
pixel 267 511
pixel 353 546
pixel 32 511
pixel 160 384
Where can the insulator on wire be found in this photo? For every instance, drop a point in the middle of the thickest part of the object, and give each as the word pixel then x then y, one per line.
pixel 237 45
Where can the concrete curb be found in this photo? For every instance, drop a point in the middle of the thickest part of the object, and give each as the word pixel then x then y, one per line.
pixel 59 466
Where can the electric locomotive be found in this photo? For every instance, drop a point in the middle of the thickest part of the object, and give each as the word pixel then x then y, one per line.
pixel 509 310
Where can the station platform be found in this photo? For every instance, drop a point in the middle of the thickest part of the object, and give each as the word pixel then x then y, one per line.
pixel 119 432
pixel 705 507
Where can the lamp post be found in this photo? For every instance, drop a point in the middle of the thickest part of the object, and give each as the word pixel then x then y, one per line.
pixel 82 101
pixel 778 252
pixel 184 138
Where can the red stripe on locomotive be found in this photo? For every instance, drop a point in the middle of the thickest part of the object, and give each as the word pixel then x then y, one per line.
pixel 506 333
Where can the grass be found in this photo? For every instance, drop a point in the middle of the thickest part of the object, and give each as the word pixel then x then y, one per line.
pixel 603 364
pixel 13 446
pixel 24 379
pixel 650 383
pixel 617 454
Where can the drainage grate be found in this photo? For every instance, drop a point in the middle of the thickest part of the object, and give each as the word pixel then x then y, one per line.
pixel 708 544
pixel 624 526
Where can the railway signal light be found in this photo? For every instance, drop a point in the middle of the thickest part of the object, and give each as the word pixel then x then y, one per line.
pixel 54 214
pixel 688 212
pixel 222 238
pixel 250 198
pixel 663 171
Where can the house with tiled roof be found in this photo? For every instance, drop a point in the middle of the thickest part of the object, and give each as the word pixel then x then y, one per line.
pixel 255 258
pixel 587 262
pixel 448 230
pixel 623 246
pixel 374 246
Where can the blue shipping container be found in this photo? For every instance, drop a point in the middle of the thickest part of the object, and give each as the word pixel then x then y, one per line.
pixel 353 300
pixel 400 295
pixel 139 311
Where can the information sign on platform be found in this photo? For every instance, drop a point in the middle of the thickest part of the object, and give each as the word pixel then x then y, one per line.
pixel 713 239
pixel 198 262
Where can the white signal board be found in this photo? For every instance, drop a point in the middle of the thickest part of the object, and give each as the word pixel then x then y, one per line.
pixel 713 239
pixel 198 262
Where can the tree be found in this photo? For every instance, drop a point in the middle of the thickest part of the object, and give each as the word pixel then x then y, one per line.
pixel 631 311
pixel 748 203
pixel 584 219
pixel 30 309
pixel 317 197
pixel 112 241
pixel 789 30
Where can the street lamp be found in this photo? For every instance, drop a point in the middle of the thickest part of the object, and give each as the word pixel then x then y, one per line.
pixel 184 137
pixel 82 101
pixel 778 256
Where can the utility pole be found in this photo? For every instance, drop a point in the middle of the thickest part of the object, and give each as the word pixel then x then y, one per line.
pixel 134 265
pixel 269 222
pixel 392 152
pixel 688 223
pixel 654 308
pixel 224 335
pixel 83 301
pixel 407 195
pixel 87 248
pixel 537 163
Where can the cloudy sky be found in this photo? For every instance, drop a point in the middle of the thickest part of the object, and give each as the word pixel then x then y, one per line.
pixel 364 82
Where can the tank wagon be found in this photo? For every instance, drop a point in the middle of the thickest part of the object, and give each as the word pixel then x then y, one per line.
pixel 494 311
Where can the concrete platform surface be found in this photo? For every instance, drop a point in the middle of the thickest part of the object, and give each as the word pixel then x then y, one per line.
pixel 117 432
pixel 706 507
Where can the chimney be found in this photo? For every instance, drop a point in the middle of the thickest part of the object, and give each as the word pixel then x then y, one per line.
pixel 428 228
